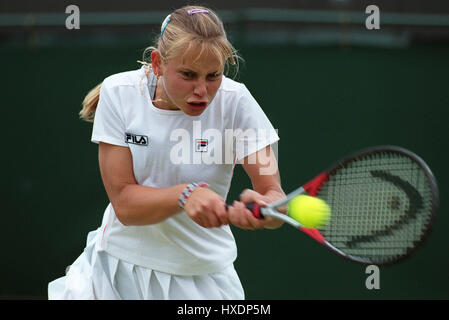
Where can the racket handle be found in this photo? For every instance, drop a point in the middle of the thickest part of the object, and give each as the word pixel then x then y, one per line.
pixel 254 208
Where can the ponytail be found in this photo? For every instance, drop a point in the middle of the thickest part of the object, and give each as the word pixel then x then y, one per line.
pixel 90 103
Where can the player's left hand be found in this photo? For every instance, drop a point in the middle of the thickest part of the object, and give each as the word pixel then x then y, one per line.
pixel 241 217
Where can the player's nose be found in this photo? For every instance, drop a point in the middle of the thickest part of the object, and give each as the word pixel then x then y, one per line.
pixel 200 88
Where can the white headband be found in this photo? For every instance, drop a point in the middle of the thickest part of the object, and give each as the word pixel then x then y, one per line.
pixel 189 12
pixel 164 24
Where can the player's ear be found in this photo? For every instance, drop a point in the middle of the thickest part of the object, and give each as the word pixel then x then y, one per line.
pixel 156 63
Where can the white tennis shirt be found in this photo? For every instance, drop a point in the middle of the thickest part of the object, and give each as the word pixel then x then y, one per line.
pixel 169 147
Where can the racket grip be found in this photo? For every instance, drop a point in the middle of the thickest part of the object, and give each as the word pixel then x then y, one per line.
pixel 254 208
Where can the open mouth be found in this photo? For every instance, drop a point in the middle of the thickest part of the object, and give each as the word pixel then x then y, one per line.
pixel 197 105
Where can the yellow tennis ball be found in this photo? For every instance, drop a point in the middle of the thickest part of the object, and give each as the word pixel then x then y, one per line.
pixel 309 211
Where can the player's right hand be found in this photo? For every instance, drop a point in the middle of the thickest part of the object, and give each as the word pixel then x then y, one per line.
pixel 206 208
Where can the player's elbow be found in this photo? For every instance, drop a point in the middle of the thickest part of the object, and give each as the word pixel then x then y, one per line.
pixel 134 207
pixel 123 214
pixel 130 215
pixel 124 206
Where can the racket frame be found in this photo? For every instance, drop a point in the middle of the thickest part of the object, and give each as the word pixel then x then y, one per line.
pixel 270 209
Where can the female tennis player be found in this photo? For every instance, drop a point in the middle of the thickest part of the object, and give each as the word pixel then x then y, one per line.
pixel 162 131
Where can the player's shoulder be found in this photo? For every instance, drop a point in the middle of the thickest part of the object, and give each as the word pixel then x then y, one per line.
pixel 123 79
pixel 229 85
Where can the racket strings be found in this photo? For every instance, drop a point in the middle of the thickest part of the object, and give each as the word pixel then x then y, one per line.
pixel 381 206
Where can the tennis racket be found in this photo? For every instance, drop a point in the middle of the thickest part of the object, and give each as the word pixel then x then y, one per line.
pixel 383 199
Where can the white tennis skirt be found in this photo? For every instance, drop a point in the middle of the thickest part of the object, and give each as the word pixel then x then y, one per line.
pixel 96 275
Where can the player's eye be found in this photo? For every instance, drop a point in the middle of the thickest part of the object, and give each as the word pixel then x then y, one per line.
pixel 214 76
pixel 187 74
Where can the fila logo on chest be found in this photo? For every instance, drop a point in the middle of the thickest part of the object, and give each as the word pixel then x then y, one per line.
pixel 201 145
pixel 136 139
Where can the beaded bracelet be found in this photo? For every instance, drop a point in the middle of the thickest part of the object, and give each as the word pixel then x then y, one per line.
pixel 185 194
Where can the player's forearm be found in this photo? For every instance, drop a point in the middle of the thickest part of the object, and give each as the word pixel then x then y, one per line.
pixel 274 194
pixel 141 205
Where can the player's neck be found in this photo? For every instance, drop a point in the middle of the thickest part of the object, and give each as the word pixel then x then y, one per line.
pixel 160 100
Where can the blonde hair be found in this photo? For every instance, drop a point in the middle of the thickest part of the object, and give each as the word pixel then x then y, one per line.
pixel 184 31
pixel 90 103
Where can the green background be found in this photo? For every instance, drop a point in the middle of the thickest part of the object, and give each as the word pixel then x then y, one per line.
pixel 325 101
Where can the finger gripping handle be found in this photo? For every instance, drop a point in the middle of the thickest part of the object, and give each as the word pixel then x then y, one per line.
pixel 255 209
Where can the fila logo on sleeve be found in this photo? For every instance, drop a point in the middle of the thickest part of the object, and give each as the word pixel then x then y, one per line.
pixel 136 139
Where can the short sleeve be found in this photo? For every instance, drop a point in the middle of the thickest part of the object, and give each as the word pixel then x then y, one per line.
pixel 254 130
pixel 109 125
